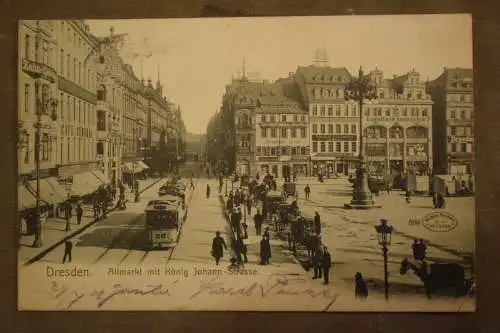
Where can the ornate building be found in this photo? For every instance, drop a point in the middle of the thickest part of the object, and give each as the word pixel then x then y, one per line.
pixel 333 121
pixel 398 125
pixel 453 117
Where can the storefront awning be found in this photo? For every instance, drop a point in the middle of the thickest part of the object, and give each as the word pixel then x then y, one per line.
pixel 143 165
pixel 101 177
pixel 51 191
pixel 129 167
pixel 25 199
pixel 84 183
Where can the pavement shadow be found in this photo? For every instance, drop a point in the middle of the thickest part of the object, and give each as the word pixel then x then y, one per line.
pixel 108 234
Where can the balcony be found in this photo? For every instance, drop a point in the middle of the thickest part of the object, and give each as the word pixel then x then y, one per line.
pixel 38 70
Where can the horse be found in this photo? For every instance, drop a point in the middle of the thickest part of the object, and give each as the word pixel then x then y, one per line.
pixel 437 275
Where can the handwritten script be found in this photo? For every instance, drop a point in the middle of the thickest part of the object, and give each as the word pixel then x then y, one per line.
pixel 275 286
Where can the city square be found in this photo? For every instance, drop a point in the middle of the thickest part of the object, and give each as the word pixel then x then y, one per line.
pixel 338 186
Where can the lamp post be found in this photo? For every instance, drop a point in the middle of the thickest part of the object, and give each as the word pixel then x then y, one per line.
pixel 68 191
pixel 384 233
pixel 358 90
pixel 41 108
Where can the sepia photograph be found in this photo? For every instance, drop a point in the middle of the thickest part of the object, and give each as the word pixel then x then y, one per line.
pixel 314 163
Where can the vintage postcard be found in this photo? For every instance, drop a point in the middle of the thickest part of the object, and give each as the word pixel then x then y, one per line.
pixel 247 164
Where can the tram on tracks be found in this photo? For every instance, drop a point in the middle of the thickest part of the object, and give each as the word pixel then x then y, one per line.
pixel 163 220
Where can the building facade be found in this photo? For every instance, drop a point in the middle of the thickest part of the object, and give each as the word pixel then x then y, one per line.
pixel 333 121
pixel 281 137
pixel 87 107
pixel 397 126
pixel 453 114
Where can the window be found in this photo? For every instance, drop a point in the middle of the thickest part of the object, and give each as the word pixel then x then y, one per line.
pixel 45 147
pixel 101 120
pixel 315 128
pixel 452 114
pixel 353 147
pixel 303 132
pixel 283 132
pixel 460 131
pixel 263 119
pixel 101 93
pixel 346 147
pixel 346 129
pixel 303 118
pixel 462 114
pixel 453 147
pixel 27 98
pixel 462 98
pixel 381 95
pixel 45 53
pixel 294 132
pixel 353 129
pixel 273 132
pixel 387 112
pixel 330 128
pixel 315 146
pixel 27 46
pixel 322 127
pixel 68 66
pixel 330 110
pixel 61 64
pixel 100 148
pixel 259 151
pixel 337 111
pixel 303 151
pixel 61 102
pixel 314 110
pixel 101 60
pixel 322 146
pixel 322 110
pixel 337 147
pixel 283 118
pixel 294 150
pixel 330 147
pixel 354 111
pixel 273 119
pixel 468 131
pixel 337 129
pixel 463 147
pixel 405 112
pixel 295 118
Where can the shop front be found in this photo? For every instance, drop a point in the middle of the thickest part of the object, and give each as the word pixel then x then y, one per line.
pixel 323 166
pixel 243 167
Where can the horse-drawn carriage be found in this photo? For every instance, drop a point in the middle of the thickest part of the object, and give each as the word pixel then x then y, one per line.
pixel 272 202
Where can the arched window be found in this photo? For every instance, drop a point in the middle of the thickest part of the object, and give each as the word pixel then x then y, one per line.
pixel 101 120
pixel 416 132
pixel 101 93
pixel 396 132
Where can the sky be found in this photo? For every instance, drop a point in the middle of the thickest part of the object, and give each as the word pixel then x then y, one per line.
pixel 196 58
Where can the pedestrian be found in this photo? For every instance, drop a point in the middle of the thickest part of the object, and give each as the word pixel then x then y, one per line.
pixel 266 232
pixel 68 248
pixel 421 250
pixel 249 205
pixel 316 262
pixel 208 191
pixel 317 223
pixel 360 290
pixel 307 191
pixel 258 219
pixel 79 213
pixel 265 251
pixel 241 250
pixel 70 210
pixel 234 220
pixel 415 249
pixel 326 264
pixel 218 247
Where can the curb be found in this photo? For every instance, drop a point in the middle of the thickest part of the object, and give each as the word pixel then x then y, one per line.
pixel 77 232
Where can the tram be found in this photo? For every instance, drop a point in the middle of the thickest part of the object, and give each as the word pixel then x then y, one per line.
pixel 162 222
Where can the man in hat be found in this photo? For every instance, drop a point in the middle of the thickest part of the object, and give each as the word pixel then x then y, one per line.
pixel 218 247
pixel 317 223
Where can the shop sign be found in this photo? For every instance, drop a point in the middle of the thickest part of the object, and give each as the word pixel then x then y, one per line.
pixel 331 137
pixel 395 119
pixel 460 139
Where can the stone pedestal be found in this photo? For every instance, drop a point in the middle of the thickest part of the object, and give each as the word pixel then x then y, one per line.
pixel 362 197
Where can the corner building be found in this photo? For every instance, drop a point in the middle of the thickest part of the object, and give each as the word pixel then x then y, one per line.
pixel 453 112
pixel 398 126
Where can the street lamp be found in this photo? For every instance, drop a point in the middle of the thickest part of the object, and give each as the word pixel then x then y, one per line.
pixel 384 233
pixel 358 90
pixel 68 191
pixel 42 107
